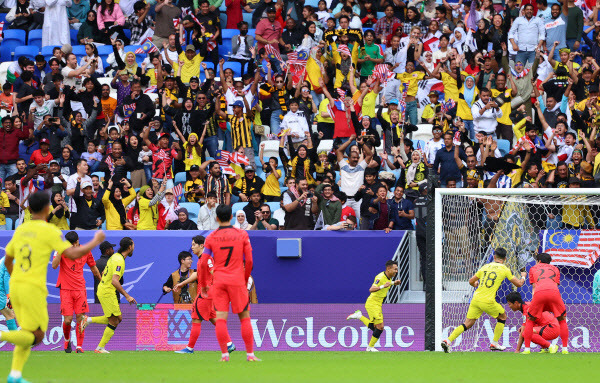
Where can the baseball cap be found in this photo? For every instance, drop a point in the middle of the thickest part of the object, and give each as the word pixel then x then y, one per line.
pixel 86 184
pixel 169 77
pixel 393 101
pixel 423 187
pixel 194 168
pixel 574 180
pixel 45 141
pixel 196 79
pixel 190 47
pixel 271 9
pixel 238 103
pixel 433 93
pixel 105 246
pixel 66 49
pixel 586 167
pixel 169 191
pixel 53 162
pixel 163 135
pixel 436 127
pixel 248 168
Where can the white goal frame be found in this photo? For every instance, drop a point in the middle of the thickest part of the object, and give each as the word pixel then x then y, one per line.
pixel 438 243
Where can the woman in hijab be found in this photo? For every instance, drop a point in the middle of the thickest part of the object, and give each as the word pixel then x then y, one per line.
pixel 312 36
pixel 167 210
pixel 458 40
pixel 114 203
pixel 118 50
pixel 183 221
pixel 482 38
pixel 20 16
pixel 468 94
pixel 415 173
pixel 301 162
pixel 240 221
pixel 146 206
pixel 60 212
pixel 88 31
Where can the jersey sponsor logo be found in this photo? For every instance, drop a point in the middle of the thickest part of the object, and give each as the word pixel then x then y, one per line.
pixel 118 268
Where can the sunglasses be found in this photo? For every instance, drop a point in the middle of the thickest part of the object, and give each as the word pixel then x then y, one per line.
pixel 201 98
pixel 265 212
pixel 518 64
pixel 278 82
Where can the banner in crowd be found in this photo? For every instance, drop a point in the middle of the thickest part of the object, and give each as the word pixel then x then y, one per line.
pixel 426 86
pixel 577 248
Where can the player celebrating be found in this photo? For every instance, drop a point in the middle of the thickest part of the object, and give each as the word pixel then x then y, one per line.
pixel 8 313
pixel 545 279
pixel 29 250
pixel 487 280
pixel 373 305
pixel 109 284
pixel 73 297
pixel 232 258
pixel 546 327
pixel 202 307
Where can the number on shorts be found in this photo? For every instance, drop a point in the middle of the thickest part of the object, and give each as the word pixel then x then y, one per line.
pixel 230 248
pixel 26 256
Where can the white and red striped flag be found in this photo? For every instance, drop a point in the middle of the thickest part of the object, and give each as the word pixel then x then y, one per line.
pixel 222 157
pixel 577 248
pixel 238 158
pixel 273 53
pixel 520 143
pixel 178 193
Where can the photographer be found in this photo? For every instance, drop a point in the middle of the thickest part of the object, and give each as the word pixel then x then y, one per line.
pixel 297 203
pixel 252 209
pixel 485 113
pixel 51 130
pixel 188 291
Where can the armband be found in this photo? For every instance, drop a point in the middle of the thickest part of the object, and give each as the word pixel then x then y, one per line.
pixel 381 287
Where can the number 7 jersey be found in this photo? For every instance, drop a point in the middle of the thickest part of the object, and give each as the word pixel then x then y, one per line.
pixel 490 279
pixel 232 255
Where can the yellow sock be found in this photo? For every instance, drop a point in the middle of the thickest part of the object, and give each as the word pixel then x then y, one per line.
pixel 498 331
pixel 100 320
pixel 108 333
pixel 373 341
pixel 365 320
pixel 20 356
pixel 457 331
pixel 22 338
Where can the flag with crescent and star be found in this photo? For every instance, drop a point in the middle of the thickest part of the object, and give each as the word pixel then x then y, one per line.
pixel 578 248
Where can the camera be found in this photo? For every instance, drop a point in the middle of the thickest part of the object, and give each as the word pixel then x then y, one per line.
pixel 499 101
pixel 184 296
pixel 309 195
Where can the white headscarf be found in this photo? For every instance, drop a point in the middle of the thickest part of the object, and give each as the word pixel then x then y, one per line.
pixel 459 44
pixel 244 225
pixel 169 213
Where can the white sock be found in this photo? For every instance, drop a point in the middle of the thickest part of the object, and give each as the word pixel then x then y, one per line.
pixel 15 374
pixel 224 354
pixel 249 354
pixel 526 349
pixel 89 320
pixel 565 348
pixel 189 348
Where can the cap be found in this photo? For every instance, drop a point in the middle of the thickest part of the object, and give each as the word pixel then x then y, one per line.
pixel 105 246
pixel 271 10
pixel 190 47
pixel 157 118
pixel 586 167
pixel 249 168
pixel 169 77
pixel 238 103
pixel 393 101
pixel 423 187
pixel 433 93
pixel 196 79
pixel 45 141
pixel 194 168
pixel 66 49
pixel 163 135
pixel 123 72
pixel 169 191
pixel 574 180
pixel 365 116
pixel 53 162
pixel 86 184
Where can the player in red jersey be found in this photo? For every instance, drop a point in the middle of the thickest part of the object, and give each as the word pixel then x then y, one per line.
pixel 232 263
pixel 545 328
pixel 202 307
pixel 73 297
pixel 545 279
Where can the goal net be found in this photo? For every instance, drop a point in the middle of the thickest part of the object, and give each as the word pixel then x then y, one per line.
pixel 471 223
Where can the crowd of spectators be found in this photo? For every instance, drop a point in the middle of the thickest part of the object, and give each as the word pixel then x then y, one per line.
pixel 510 101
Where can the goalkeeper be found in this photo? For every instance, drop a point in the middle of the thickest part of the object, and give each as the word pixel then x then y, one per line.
pixel 596 288
pixel 487 280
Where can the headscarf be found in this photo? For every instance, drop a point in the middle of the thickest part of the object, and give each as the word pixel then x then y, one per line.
pixel 169 212
pixel 411 170
pixel 469 93
pixel 92 24
pixel 118 204
pixel 345 64
pixel 60 212
pixel 132 69
pixel 188 224
pixel 244 225
pixel 458 44
pixel 22 8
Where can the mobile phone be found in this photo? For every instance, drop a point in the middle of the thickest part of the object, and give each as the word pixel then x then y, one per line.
pixel 114 36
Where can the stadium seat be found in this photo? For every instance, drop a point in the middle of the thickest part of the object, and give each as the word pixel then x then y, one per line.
pixel 104 49
pixel 380 15
pixel 272 148
pixel 13 38
pixel 35 38
pixel 237 206
pixel 503 146
pixel 79 51
pixel 325 145
pixel 247 18
pixel 27 51
pixel 9 223
pixel 225 49
pixel 223 19
pixel 229 33
pixel 180 178
pixel 273 205
pixel 312 3
pixel 74 40
pixel 6 53
pixel 235 66
pixel 252 32
pixel 193 210
pixel 127 33
pixel 3 17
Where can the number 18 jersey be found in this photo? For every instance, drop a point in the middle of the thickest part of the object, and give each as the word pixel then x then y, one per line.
pixel 490 279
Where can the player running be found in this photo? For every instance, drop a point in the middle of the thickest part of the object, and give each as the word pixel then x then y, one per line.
pixel 6 310
pixel 29 250
pixel 544 279
pixel 487 280
pixel 73 297
pixel 232 259
pixel 202 307
pixel 546 327
pixel 109 284
pixel 373 305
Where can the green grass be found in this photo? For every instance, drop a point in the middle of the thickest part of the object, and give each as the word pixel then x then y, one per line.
pixel 288 367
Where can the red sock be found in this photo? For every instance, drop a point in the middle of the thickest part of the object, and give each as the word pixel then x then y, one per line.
pixel 538 339
pixel 222 334
pixel 67 331
pixel 564 332
pixel 80 335
pixel 528 332
pixel 195 333
pixel 247 334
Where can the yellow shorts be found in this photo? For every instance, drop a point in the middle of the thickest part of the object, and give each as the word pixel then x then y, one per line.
pixel 375 313
pixel 476 308
pixel 110 305
pixel 29 304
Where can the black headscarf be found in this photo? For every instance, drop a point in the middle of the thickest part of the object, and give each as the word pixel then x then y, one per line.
pixel 60 212
pixel 118 204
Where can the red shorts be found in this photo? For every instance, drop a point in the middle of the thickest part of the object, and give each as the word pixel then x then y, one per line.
pixel 236 295
pixel 548 332
pixel 203 309
pixel 547 300
pixel 73 301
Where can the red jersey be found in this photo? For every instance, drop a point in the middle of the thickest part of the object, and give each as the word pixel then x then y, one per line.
pixel 347 211
pixel 70 274
pixel 38 158
pixel 232 255
pixel 205 268
pixel 544 276
pixel 546 318
pixel 161 161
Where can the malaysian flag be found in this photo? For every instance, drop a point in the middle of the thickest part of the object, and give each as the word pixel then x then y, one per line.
pixel 238 158
pixel 577 248
pixel 147 47
pixel 383 73
pixel 447 106
pixel 1 26
pixel 297 58
pixel 178 193
pixel 520 143
pixel 273 53
pixel 402 103
pixel 222 157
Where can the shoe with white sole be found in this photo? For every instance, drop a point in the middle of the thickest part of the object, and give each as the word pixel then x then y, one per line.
pixel 446 346
pixel 553 349
pixel 372 349
pixel 356 315
pixel 497 347
pixel 101 351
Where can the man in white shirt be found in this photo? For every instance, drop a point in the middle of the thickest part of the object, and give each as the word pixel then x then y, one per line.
pixel 433 145
pixel 526 34
pixel 73 75
pixel 396 55
pixel 207 216
pixel 74 179
pixel 295 122
pixel 352 172
pixel 485 113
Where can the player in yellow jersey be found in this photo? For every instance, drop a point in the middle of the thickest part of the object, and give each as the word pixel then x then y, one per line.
pixel 487 281
pixel 379 289
pixel 27 257
pixel 107 288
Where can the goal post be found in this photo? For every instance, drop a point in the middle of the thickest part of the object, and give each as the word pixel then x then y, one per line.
pixel 470 223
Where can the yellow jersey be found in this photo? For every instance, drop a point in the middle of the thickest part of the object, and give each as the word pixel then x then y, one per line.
pixel 450 87
pixel 505 108
pixel 271 186
pixel 490 279
pixel 5 203
pixel 115 265
pixel 412 79
pixel 377 297
pixel 31 246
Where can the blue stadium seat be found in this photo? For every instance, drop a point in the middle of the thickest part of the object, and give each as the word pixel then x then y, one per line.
pixel 229 33
pixel 235 66
pixel 104 49
pixel 27 51
pixel 223 19
pixel 180 178
pixel 35 38
pixel 247 18
pixel 79 51
pixel 380 15
pixel 312 3
pixel 13 38
pixel 193 210
pixel 74 40
pixel 9 223
pixel 274 206
pixel 225 48
pixel 252 32
pixel 6 53
pixel 47 51
pixel 503 146
pixel 237 206
pixel 127 33
pixel 2 17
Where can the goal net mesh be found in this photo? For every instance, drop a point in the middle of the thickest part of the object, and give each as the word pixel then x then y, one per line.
pixel 563 226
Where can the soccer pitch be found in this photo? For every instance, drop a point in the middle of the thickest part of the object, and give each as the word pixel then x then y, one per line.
pixel 151 366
